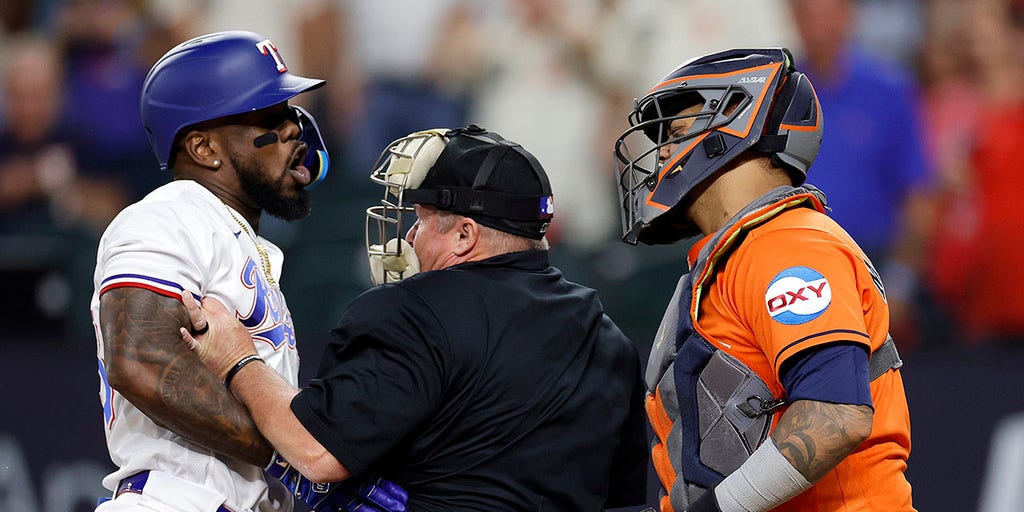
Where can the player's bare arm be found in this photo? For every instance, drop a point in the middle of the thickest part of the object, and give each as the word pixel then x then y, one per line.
pixel 147 363
pixel 224 346
pixel 816 436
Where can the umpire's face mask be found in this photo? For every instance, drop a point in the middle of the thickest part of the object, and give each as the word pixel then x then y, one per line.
pixel 402 166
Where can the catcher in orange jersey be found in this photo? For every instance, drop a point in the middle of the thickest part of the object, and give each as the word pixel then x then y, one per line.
pixel 773 383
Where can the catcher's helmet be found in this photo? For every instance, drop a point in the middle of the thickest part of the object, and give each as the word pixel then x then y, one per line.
pixel 218 75
pixel 749 100
pixel 469 170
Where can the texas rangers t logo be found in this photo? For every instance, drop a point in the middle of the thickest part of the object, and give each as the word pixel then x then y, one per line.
pixel 797 295
pixel 267 48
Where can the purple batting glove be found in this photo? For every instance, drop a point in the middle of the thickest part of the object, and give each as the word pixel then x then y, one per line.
pixel 311 493
pixel 370 495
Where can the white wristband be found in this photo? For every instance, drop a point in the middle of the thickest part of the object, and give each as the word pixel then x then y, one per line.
pixel 765 481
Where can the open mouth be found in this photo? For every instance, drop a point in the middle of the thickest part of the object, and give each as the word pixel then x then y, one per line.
pixel 296 165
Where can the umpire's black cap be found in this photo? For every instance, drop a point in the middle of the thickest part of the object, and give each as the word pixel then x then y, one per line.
pixel 491 180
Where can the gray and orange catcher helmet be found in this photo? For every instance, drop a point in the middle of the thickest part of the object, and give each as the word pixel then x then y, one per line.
pixel 752 100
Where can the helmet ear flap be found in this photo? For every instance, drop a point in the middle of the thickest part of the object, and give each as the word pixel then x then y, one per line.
pixel 781 103
pixel 800 106
pixel 796 119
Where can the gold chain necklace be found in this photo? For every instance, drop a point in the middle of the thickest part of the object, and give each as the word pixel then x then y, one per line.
pixel 264 258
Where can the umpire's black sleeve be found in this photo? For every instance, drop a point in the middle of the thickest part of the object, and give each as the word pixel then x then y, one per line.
pixel 628 484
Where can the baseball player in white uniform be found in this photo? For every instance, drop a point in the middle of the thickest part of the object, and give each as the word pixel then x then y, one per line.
pixel 217 115
pixel 181 237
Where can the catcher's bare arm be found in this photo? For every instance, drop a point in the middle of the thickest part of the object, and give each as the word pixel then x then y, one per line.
pixel 816 436
pixel 148 364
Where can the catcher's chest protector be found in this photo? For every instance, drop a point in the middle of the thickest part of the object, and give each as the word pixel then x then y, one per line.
pixel 708 410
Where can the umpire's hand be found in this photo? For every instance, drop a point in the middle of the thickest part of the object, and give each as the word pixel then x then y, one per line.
pixel 220 340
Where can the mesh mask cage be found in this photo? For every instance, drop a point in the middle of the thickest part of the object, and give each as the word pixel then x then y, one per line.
pixel 730 101
pixel 401 166
pixel 637 151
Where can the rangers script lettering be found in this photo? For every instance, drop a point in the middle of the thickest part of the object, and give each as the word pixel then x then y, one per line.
pixel 269 319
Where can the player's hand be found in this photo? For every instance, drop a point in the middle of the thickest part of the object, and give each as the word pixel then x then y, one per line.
pixel 369 495
pixel 305 490
pixel 373 495
pixel 224 342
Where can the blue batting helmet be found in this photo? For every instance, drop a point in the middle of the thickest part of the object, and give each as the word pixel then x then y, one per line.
pixel 213 76
pixel 750 100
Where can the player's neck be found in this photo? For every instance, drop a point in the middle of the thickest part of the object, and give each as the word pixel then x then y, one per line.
pixel 251 215
pixel 236 203
pixel 226 188
pixel 733 190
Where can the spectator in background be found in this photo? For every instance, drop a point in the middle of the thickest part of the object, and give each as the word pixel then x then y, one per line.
pixel 70 130
pixel 37 167
pixel 42 182
pixel 952 103
pixel 548 86
pixel 397 67
pixel 979 243
pixel 105 46
pixel 878 176
pixel 893 28
pixel 700 27
pixel 50 210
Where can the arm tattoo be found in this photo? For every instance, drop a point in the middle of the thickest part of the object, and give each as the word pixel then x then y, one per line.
pixel 816 436
pixel 150 366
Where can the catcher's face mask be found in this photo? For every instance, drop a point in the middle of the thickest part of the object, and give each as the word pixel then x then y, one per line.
pixel 402 166
pixel 734 102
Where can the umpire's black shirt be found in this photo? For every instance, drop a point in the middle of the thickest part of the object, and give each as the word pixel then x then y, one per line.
pixel 490 385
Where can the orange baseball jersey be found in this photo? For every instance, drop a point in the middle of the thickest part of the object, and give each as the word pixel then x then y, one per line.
pixel 796 281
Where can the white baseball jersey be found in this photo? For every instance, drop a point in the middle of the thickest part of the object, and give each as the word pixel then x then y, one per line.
pixel 182 237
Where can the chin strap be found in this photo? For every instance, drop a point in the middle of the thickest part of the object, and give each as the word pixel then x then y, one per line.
pixel 398 263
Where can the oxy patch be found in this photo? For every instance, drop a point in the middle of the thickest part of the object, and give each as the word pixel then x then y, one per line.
pixel 797 295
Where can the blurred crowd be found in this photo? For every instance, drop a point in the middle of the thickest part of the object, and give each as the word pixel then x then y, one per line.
pixel 921 98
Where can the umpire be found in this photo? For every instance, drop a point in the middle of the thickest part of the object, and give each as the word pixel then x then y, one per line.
pixel 484 382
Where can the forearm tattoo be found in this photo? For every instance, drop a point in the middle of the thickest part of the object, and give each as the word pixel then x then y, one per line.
pixel 150 366
pixel 816 436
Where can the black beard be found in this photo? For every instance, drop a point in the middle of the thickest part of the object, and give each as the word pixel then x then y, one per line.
pixel 267 194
